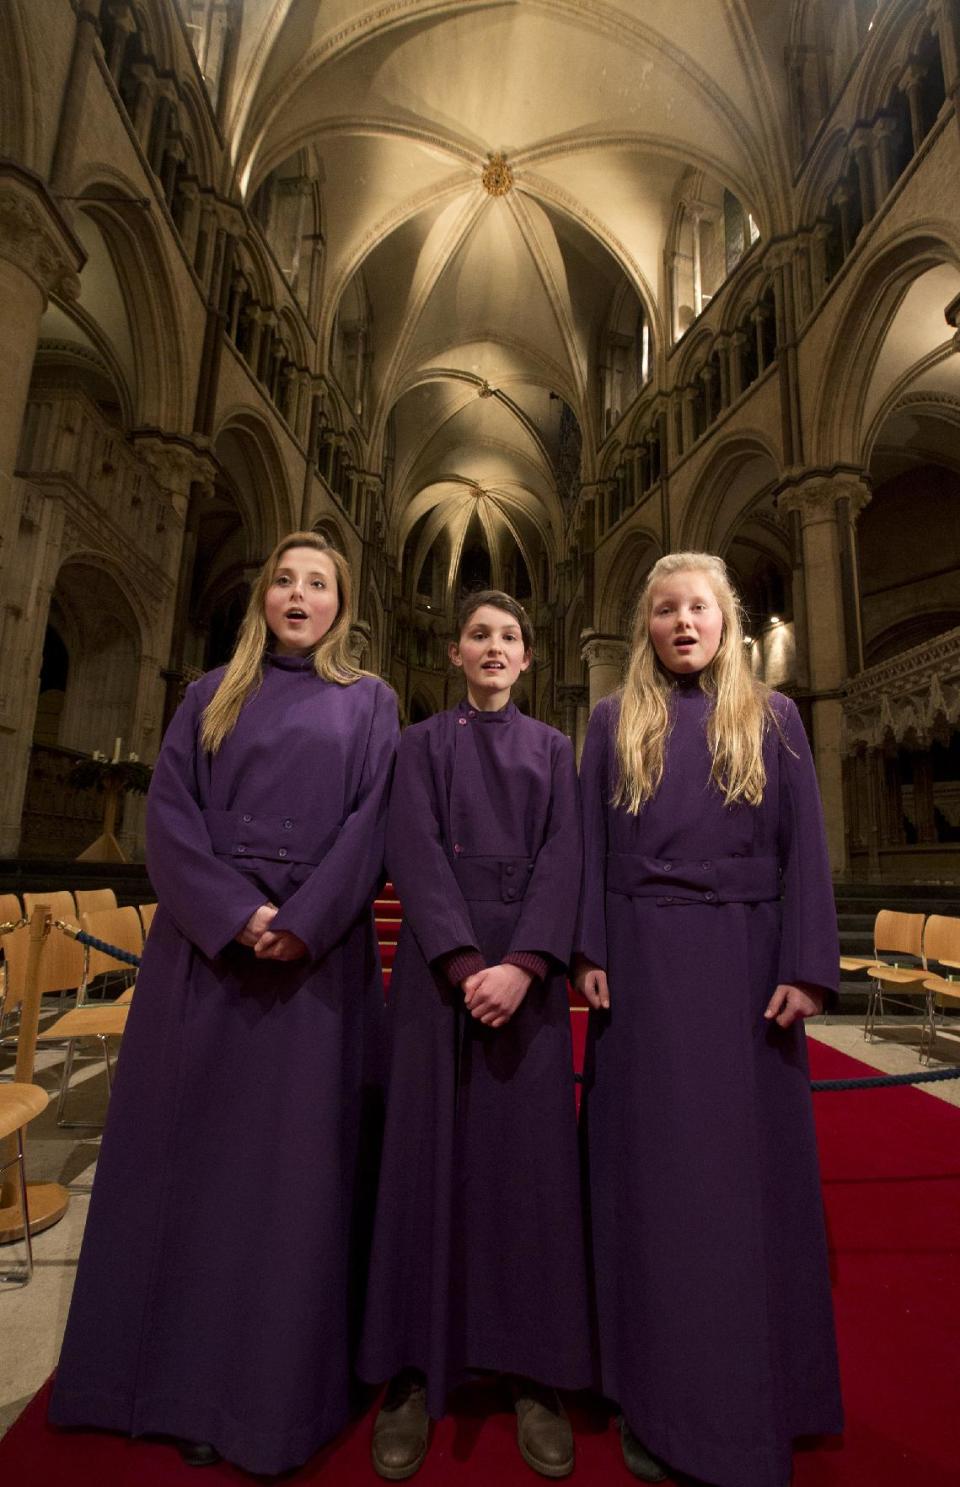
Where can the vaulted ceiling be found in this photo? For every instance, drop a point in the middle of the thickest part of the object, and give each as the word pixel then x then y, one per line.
pixel 489 313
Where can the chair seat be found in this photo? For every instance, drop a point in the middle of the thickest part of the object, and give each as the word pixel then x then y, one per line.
pixel 19 1103
pixel 943 987
pixel 89 1022
pixel 898 975
pixel 854 963
pixel 125 998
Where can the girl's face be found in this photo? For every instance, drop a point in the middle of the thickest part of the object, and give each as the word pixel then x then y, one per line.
pixel 492 654
pixel 686 622
pixel 302 601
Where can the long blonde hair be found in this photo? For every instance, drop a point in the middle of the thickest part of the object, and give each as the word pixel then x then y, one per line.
pixel 244 673
pixel 740 714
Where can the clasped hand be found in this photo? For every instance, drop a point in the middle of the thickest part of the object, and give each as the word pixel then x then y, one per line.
pixel 268 944
pixel 788 1003
pixel 494 994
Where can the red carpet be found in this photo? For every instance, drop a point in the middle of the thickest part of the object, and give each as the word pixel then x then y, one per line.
pixel 891 1166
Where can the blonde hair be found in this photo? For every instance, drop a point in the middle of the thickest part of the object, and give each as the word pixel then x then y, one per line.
pixel 740 714
pixel 244 673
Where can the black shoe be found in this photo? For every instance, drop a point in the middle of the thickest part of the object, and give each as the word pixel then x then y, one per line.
pixel 637 1459
pixel 198 1453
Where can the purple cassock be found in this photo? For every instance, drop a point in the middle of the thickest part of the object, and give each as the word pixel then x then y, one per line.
pixel 217 1294
pixel 709 1253
pixel 478 1256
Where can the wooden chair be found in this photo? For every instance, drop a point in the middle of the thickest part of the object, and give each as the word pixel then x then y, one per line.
pixel 941 943
pixel 91 1019
pixel 92 900
pixel 10 913
pixel 19 1105
pixel 147 912
pixel 900 938
pixel 63 966
pixel 21 1102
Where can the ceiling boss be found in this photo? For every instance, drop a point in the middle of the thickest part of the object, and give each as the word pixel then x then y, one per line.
pixel 497 176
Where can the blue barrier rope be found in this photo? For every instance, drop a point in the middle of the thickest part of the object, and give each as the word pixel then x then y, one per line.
pixel 84 939
pixel 818 1086
pixel 872 1081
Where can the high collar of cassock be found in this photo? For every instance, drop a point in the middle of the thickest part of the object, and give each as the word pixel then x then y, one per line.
pixel 289 663
pixel 502 715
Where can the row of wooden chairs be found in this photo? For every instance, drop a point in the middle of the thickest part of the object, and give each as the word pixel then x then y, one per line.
pixel 915 956
pixel 68 966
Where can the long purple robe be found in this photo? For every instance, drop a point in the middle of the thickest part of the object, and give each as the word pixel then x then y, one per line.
pixel 219 1269
pixel 478 1257
pixel 712 1288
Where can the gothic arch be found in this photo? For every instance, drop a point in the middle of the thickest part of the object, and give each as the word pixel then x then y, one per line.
pixel 858 340
pixel 264 490
pixel 638 552
pixel 741 469
pixel 163 396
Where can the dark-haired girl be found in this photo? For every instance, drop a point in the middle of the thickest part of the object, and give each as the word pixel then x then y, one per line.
pixel 220 1265
pixel 477 1262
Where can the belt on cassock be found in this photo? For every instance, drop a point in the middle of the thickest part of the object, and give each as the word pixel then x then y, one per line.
pixel 714 880
pixel 276 838
pixel 493 879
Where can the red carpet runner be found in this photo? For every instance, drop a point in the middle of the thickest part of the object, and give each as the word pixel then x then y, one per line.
pixel 891 1169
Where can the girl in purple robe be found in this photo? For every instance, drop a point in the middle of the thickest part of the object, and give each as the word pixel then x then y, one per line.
pixel 477 1261
pixel 217 1293
pixel 708 932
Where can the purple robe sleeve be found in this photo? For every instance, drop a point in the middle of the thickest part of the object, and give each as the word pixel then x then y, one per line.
pixel 208 899
pixel 549 910
pixel 342 886
pixel 416 859
pixel 809 942
pixel 590 939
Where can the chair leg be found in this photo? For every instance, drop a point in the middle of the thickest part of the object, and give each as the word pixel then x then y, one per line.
pixel 106 1061
pixel 80 1125
pixel 22 1275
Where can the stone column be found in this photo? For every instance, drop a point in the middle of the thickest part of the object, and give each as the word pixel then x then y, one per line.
pixel 605 656
pixel 913 75
pixel 68 132
pixel 828 507
pixel 185 470
pixel 861 145
pixel 38 255
pixel 923 797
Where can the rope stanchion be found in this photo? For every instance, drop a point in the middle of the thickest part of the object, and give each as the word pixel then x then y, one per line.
pixel 75 933
pixel 870 1081
pixel 884 1081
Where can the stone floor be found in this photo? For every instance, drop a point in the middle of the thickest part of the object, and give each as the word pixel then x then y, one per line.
pixel 32 1317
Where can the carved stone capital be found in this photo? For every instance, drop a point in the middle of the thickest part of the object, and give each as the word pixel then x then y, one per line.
pixel 35 237
pixel 818 498
pixel 176 464
pixel 603 650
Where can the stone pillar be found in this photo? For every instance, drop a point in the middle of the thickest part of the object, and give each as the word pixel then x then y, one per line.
pixel 828 507
pixel 185 470
pixel 883 132
pixel 68 132
pixel 923 797
pixel 605 656
pixel 913 75
pixel 38 254
pixel 861 145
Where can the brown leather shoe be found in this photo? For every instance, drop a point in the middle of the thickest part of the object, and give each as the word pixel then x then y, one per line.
pixel 543 1430
pixel 400 1431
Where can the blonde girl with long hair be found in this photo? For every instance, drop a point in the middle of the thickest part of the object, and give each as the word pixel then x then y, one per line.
pixel 707 935
pixel 218 1287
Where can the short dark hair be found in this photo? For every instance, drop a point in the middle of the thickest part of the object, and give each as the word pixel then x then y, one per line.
pixel 497 599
